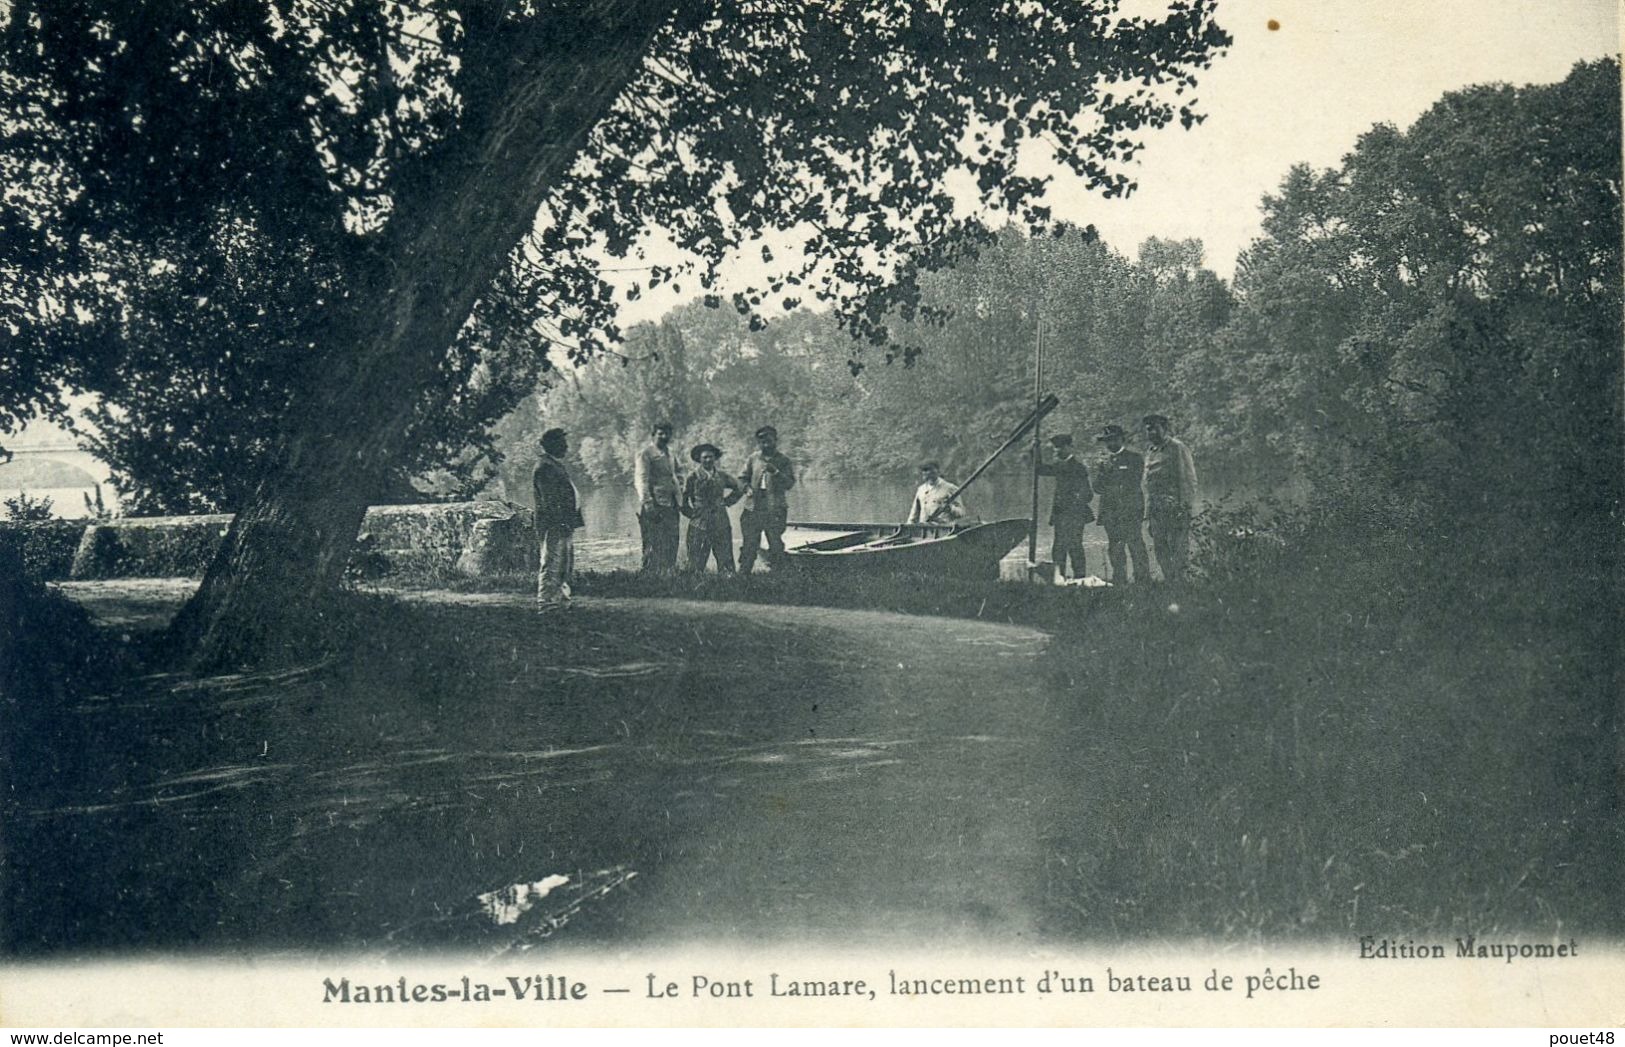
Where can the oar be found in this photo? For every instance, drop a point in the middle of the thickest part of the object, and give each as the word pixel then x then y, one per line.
pixel 1045 406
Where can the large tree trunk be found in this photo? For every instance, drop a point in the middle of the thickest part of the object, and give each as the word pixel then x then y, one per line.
pixel 456 221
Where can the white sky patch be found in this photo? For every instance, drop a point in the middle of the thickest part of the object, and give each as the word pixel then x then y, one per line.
pixel 1301 93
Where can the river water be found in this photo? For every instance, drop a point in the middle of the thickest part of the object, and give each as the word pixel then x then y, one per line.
pixel 610 539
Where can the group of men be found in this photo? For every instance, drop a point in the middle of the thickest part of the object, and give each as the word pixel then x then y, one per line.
pixel 704 496
pixel 1154 491
pixel 665 495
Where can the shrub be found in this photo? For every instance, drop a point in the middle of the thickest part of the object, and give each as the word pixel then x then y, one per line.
pixel 27 509
pixel 44 549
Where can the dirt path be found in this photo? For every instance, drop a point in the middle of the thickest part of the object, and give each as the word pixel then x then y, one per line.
pixel 889 796
pixel 651 770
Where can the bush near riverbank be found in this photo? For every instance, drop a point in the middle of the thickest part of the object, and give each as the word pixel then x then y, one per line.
pixel 1342 744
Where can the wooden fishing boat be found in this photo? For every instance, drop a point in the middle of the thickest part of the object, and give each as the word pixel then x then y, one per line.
pixel 958 550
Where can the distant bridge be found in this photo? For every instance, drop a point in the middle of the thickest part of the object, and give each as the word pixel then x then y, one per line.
pixel 47 462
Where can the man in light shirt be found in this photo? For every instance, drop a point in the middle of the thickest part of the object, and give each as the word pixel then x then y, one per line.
pixel 931 503
pixel 654 475
pixel 1170 496
pixel 767 475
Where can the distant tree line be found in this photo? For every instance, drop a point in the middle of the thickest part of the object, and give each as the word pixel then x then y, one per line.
pixel 1115 332
pixel 1431 330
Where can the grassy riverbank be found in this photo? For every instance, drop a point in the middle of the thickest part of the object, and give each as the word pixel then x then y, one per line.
pixel 1312 749
pixel 1348 752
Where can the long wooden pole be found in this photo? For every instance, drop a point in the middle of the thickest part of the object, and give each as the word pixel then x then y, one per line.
pixel 1045 406
pixel 1038 447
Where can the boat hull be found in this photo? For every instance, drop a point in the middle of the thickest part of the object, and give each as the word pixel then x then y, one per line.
pixel 942 550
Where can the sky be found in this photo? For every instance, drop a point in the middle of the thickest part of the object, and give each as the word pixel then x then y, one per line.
pixel 1306 91
pixel 1303 92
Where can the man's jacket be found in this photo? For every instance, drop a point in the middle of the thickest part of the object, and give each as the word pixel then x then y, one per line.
pixel 1120 482
pixel 1072 491
pixel 556 508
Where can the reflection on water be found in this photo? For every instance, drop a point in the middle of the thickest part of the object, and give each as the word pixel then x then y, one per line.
pixel 513 901
pixel 610 539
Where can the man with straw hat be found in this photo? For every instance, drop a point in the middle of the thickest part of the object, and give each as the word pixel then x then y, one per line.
pixel 707 494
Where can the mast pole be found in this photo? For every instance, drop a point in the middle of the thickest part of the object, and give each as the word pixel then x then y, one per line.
pixel 1038 447
pixel 1048 404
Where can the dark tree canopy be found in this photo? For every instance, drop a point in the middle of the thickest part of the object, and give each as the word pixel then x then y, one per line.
pixel 1436 323
pixel 442 177
pixel 199 188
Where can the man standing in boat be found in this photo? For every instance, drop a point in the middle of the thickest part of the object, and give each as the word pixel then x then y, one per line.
pixel 1069 513
pixel 557 518
pixel 931 504
pixel 707 494
pixel 654 475
pixel 1120 482
pixel 1170 496
pixel 766 477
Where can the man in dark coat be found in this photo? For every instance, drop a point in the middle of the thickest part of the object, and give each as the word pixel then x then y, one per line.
pixel 766 477
pixel 557 518
pixel 1069 513
pixel 1119 480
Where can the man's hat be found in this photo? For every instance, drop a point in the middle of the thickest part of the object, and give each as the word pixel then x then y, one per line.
pixel 552 436
pixel 1157 419
pixel 658 426
pixel 1061 439
pixel 930 463
pixel 1111 431
pixel 766 430
pixel 699 449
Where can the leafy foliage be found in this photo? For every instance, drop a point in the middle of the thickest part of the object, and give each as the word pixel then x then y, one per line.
pixel 210 201
pixel 1440 317
pixel 25 508
pixel 44 548
pixel 1120 337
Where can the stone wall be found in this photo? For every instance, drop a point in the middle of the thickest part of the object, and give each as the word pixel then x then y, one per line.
pixel 408 543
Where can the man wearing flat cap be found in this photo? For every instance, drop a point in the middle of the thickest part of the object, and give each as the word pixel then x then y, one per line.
pixel 1069 512
pixel 766 477
pixel 1170 496
pixel 1120 482
pixel 654 475
pixel 707 494
pixel 557 518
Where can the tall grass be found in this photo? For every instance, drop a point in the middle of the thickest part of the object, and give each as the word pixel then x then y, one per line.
pixel 1346 736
